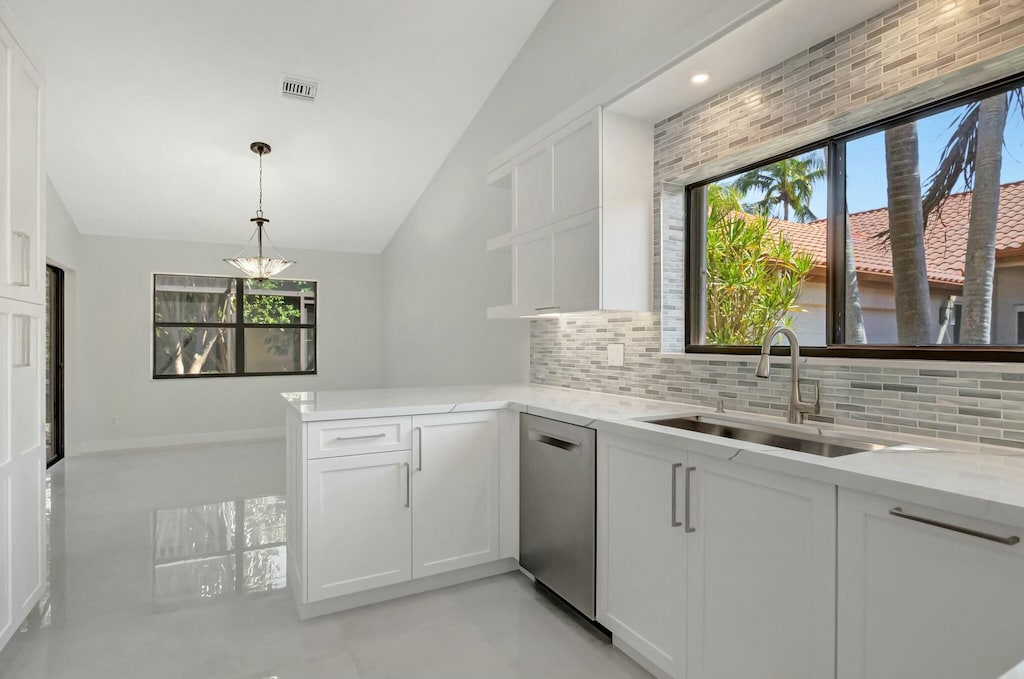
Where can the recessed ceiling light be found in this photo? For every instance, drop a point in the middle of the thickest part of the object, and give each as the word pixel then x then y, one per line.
pixel 700 78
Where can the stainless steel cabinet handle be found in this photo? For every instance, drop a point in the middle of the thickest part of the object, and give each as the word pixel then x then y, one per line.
pixel 546 308
pixel 22 255
pixel 360 437
pixel 686 520
pixel 417 432
pixel 675 476
pixel 899 513
pixel 408 484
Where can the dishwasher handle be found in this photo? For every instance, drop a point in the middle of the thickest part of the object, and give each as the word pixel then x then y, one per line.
pixel 554 441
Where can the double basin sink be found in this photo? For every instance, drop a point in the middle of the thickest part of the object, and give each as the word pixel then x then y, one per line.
pixel 824 445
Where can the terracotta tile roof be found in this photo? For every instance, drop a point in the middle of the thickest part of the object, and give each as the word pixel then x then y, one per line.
pixel 945 237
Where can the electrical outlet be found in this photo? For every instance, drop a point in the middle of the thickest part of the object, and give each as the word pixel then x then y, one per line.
pixel 113 420
pixel 616 355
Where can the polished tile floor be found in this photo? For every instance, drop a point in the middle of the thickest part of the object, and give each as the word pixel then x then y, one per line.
pixel 170 564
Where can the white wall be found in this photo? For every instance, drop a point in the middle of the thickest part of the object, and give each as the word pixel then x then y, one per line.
pixel 438 279
pixel 113 344
pixel 61 231
pixel 62 244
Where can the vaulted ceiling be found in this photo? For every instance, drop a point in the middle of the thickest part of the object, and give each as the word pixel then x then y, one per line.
pixel 152 106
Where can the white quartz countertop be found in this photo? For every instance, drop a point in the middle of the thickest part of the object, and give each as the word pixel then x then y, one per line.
pixel 975 481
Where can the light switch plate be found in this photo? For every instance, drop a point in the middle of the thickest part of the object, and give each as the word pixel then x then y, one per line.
pixel 616 355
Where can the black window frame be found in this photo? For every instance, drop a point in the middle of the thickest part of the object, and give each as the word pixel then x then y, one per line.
pixel 835 265
pixel 239 326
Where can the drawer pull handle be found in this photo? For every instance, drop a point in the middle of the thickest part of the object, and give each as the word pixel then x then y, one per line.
pixel 361 437
pixel 899 513
pixel 675 477
pixel 689 527
pixel 418 433
pixel 408 484
pixel 546 308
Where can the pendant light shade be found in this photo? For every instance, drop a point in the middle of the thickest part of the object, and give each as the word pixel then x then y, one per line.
pixel 259 266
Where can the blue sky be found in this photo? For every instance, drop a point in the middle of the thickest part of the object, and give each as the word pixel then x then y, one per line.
pixel 865 163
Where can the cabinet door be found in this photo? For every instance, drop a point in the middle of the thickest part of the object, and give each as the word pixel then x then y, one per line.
pixel 454 491
pixel 359 523
pixel 533 190
pixel 761 574
pixel 576 179
pixel 641 549
pixel 918 601
pixel 533 275
pixel 577 263
pixel 23 234
pixel 22 539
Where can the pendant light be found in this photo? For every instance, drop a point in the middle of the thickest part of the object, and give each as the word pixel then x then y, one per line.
pixel 259 267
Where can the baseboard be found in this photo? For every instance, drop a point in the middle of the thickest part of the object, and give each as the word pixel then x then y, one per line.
pixel 175 441
pixel 402 589
pixel 639 658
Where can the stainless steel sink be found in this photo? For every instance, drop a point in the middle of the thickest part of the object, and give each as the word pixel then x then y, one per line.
pixel 825 446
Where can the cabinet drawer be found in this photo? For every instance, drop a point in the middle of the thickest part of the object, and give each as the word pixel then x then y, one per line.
pixel 357 437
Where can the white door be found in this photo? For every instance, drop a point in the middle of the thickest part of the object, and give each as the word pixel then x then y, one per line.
pixel 533 190
pixel 22 469
pixel 576 179
pixel 919 601
pixel 23 234
pixel 534 291
pixel 761 574
pixel 641 549
pixel 359 523
pixel 454 491
pixel 577 263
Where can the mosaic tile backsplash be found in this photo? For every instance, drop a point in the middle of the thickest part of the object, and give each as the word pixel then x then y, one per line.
pixel 917 52
pixel 964 404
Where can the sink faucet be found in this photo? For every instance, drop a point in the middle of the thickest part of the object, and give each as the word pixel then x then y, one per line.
pixel 797 406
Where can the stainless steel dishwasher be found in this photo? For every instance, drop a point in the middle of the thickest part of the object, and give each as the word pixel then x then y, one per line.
pixel 558 508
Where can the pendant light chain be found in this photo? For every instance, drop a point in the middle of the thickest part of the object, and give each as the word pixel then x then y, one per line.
pixel 259 212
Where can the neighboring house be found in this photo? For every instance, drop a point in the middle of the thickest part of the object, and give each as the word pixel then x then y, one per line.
pixel 946 247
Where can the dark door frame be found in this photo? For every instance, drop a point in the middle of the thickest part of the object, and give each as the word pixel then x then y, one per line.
pixel 55 362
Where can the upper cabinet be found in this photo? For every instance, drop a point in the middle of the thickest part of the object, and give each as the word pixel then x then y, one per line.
pixel 580 232
pixel 22 252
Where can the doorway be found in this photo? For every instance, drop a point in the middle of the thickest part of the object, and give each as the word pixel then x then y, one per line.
pixel 54 365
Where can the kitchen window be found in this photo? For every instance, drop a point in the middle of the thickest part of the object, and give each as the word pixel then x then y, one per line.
pixel 904 239
pixel 216 326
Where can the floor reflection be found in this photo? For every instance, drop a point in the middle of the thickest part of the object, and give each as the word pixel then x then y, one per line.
pixel 206 552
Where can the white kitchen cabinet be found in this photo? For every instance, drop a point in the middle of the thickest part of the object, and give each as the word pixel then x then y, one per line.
pixel 454 491
pixel 533 257
pixel 381 507
pixel 22 467
pixel 760 573
pixel 711 569
pixel 558 269
pixel 22 252
pixel 921 601
pixel 576 167
pixel 22 293
pixel 581 224
pixel 576 274
pixel 533 191
pixel 358 523
pixel 641 550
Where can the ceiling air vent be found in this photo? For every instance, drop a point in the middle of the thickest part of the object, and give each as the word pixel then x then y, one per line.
pixel 299 88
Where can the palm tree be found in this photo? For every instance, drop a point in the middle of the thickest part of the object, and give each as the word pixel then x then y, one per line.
pixel 787 183
pixel 974 154
pixel 855 332
pixel 906 235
